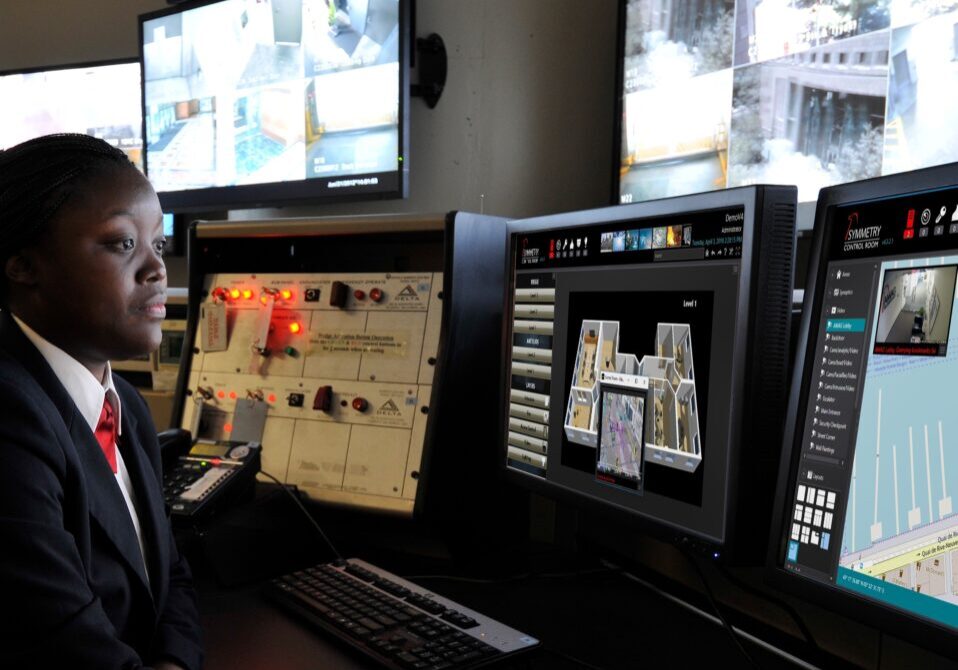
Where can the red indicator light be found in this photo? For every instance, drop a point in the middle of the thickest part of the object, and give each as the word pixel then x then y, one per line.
pixel 909 233
pixel 220 394
pixel 910 223
pixel 294 327
pixel 272 397
pixel 221 294
pixel 376 294
pixel 286 294
pixel 359 294
pixel 232 395
pixel 235 293
pixel 227 428
pixel 360 404
pixel 215 461
pixel 247 294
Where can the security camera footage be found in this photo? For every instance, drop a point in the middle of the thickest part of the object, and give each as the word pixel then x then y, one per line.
pixel 241 92
pixel 717 93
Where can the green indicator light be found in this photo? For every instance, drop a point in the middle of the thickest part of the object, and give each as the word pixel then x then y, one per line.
pixel 203 463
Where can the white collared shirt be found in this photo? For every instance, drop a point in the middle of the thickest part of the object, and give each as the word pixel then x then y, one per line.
pixel 87 393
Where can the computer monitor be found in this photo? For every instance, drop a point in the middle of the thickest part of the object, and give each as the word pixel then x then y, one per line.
pixel 865 519
pixel 99 99
pixel 645 360
pixel 720 93
pixel 249 104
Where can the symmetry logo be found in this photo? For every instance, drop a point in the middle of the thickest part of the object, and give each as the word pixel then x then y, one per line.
pixel 859 237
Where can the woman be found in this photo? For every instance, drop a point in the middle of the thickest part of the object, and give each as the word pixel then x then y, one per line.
pixel 89 574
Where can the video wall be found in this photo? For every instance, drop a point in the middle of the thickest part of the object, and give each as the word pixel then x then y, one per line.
pixel 717 93
pixel 241 92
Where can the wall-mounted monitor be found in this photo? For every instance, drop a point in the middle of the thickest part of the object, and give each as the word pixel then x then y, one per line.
pixel 98 99
pixel 255 103
pixel 866 515
pixel 716 93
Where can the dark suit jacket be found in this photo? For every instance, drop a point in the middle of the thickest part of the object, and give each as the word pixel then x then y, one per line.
pixel 72 589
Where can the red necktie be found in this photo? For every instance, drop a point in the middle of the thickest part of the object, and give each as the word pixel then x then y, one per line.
pixel 106 434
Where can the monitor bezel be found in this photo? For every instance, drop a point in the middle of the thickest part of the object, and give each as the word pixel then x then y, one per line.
pixel 299 192
pixel 750 199
pixel 84 66
pixel 924 632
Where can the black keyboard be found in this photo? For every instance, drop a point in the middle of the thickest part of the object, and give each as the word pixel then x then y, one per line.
pixel 399 624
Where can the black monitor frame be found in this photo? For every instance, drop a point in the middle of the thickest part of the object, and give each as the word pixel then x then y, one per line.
pixel 761 325
pixel 303 191
pixel 923 632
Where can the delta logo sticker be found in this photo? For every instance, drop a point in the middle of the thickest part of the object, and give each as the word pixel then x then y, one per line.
pixel 389 407
pixel 408 294
pixel 859 237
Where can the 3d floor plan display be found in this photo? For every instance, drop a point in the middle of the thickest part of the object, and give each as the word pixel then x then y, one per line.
pixel 671 423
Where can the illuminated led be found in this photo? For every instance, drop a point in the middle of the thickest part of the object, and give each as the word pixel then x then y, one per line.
pixel 247 294
pixel 294 327
pixel 263 299
pixel 227 428
pixel 232 395
pixel 235 293
pixel 286 294
pixel 272 397
pixel 220 394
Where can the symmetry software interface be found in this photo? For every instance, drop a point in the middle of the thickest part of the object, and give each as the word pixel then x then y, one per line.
pixel 620 370
pixel 871 511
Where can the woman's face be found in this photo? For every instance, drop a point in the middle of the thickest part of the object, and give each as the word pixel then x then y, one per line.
pixel 99 288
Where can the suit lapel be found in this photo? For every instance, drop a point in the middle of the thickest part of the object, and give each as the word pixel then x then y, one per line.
pixel 107 506
pixel 149 501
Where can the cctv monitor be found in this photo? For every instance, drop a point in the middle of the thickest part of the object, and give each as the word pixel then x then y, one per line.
pixel 719 93
pixel 248 104
pixel 645 360
pixel 865 515
pixel 97 99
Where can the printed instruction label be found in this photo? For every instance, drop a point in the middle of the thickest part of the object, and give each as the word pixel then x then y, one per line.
pixel 374 343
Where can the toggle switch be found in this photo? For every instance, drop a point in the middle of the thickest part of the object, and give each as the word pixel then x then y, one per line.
pixel 324 398
pixel 338 294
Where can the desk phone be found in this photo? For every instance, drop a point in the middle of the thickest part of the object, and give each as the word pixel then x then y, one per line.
pixel 209 475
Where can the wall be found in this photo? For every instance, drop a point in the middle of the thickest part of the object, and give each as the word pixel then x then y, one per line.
pixel 523 128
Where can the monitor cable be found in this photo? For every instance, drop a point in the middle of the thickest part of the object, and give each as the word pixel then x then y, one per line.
pixel 715 606
pixel 286 488
pixel 784 606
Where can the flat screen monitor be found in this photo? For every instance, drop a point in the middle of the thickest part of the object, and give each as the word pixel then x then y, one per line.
pixel 716 93
pixel 638 340
pixel 255 103
pixel 866 510
pixel 98 99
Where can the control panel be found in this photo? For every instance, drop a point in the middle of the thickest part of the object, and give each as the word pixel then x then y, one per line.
pixel 331 372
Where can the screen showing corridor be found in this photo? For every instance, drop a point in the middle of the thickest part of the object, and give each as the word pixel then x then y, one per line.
pixel 718 93
pixel 874 484
pixel 304 94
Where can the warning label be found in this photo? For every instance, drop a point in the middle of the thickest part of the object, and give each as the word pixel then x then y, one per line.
pixel 375 343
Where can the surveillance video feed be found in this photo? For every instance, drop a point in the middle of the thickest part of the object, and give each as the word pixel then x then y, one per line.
pixel 812 94
pixel 99 100
pixel 241 92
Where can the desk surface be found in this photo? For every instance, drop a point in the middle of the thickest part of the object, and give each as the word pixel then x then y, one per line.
pixel 601 619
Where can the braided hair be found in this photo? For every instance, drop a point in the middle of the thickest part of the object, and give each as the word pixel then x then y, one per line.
pixel 38 177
